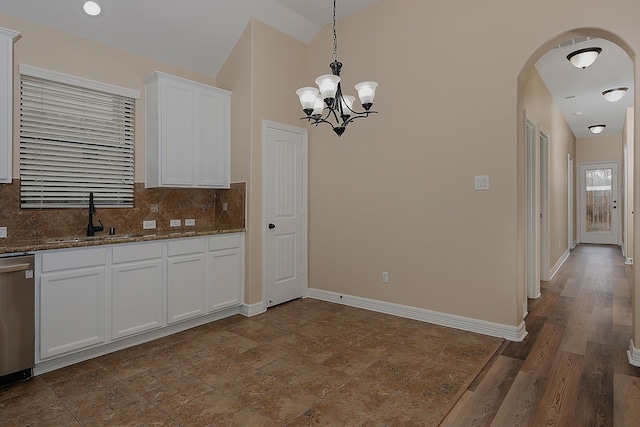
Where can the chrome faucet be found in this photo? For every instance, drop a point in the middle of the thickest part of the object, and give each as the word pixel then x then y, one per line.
pixel 91 229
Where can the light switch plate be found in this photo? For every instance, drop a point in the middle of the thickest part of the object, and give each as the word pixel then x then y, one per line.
pixel 190 222
pixel 148 225
pixel 175 223
pixel 482 182
pixel 3 232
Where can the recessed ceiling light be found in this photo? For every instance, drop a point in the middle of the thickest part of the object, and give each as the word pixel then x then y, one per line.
pixel 91 8
pixel 596 129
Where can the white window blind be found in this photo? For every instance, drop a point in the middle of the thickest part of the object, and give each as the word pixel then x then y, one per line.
pixel 76 137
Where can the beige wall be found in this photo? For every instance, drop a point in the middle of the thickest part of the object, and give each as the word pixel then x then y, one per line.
pixel 599 148
pixel 539 104
pixel 57 51
pixel 266 67
pixel 395 193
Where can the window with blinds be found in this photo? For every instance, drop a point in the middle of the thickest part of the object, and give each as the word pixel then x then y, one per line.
pixel 76 137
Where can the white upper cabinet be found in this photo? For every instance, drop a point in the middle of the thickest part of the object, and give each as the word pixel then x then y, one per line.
pixel 187 133
pixel 6 103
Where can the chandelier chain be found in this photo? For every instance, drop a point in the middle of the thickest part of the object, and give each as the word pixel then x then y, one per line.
pixel 335 37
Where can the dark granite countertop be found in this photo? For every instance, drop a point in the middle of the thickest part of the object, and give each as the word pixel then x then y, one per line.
pixel 82 241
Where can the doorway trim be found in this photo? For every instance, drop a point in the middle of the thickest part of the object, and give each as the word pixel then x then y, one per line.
pixel 545 148
pixel 571 241
pixel 532 223
pixel 267 124
pixel 618 218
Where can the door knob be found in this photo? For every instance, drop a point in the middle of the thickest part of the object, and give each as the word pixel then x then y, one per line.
pixel 272 226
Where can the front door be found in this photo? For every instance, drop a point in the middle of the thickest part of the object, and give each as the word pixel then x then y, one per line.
pixel 284 204
pixel 599 213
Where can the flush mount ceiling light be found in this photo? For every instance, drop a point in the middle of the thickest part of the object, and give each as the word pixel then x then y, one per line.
pixel 615 95
pixel 584 57
pixel 596 129
pixel 91 8
pixel 326 102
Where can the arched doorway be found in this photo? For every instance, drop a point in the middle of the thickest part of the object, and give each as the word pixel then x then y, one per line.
pixel 534 231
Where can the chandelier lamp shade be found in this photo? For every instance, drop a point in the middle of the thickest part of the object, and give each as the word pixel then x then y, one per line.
pixel 597 129
pixel 616 94
pixel 327 104
pixel 584 57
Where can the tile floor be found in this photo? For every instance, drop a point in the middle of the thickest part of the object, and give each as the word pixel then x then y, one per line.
pixel 307 362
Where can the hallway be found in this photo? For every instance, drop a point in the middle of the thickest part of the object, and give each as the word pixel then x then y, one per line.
pixel 572 368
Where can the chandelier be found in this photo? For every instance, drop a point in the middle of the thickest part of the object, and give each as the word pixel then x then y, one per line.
pixel 327 103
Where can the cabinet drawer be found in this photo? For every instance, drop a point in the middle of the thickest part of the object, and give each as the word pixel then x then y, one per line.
pixel 137 252
pixel 186 246
pixel 225 241
pixel 80 258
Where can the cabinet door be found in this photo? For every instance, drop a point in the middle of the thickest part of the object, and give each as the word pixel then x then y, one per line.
pixel 225 269
pixel 212 138
pixel 71 310
pixel 6 103
pixel 176 134
pixel 136 297
pixel 186 287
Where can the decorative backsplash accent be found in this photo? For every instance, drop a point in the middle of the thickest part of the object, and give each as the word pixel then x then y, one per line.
pixel 203 205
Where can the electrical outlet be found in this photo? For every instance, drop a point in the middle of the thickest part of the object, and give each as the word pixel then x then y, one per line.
pixel 148 225
pixel 3 232
pixel 225 207
pixel 385 277
pixel 175 223
pixel 190 222
pixel 153 207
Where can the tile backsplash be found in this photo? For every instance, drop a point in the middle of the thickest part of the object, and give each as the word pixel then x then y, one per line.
pixel 206 206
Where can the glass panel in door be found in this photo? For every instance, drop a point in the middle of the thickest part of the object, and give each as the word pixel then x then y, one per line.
pixel 598 199
pixel 599 215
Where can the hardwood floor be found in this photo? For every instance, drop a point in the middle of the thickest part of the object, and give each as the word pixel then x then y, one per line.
pixel 572 368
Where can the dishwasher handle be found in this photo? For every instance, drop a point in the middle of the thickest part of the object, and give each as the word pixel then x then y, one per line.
pixel 14 267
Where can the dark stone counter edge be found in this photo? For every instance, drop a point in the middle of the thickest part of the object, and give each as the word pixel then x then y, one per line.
pixel 72 242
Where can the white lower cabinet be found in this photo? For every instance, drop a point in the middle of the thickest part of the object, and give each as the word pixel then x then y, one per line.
pixel 185 279
pixel 72 301
pixel 98 299
pixel 136 289
pixel 225 272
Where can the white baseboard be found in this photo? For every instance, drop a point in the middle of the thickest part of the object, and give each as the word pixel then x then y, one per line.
pixel 511 333
pixel 525 310
pixel 633 354
pixel 574 244
pixel 561 261
pixel 628 261
pixel 252 309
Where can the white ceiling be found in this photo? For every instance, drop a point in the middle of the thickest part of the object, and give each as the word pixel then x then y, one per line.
pixel 580 91
pixel 199 35
pixel 194 34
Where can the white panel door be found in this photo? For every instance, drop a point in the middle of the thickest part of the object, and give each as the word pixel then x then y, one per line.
pixel 136 297
pixel 177 134
pixel 71 310
pixel 212 137
pixel 284 212
pixel 599 213
pixel 225 270
pixel 186 287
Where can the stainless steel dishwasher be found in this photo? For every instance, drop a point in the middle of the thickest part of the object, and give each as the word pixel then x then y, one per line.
pixel 17 318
